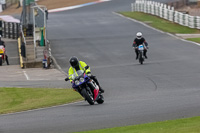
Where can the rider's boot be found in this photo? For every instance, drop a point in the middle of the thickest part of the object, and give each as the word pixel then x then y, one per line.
pixel 101 90
pixel 137 54
pixel 97 82
pixel 145 54
pixel 7 60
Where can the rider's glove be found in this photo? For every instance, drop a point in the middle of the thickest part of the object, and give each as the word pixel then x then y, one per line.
pixel 66 79
pixel 89 74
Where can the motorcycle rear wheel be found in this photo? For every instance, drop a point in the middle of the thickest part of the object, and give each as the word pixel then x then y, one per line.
pixel 1 61
pixel 141 60
pixel 87 97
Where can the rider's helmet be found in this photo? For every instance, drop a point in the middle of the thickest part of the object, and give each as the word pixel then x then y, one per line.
pixel 139 35
pixel 74 61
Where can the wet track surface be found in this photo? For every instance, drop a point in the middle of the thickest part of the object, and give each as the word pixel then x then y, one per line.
pixel 165 87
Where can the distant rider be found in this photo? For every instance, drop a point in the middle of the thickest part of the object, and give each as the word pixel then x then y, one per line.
pixel 80 65
pixel 2 46
pixel 138 41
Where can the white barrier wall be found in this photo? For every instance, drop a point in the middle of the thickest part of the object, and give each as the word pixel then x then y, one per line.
pixel 1 8
pixel 166 12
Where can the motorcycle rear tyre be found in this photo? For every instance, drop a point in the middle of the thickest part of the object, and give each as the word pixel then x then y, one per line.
pixel 100 100
pixel 87 97
pixel 141 60
pixel 1 61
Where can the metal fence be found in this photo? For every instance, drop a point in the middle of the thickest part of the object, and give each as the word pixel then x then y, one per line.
pixel 166 12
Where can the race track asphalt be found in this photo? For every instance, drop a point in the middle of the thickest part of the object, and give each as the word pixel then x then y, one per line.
pixel 166 87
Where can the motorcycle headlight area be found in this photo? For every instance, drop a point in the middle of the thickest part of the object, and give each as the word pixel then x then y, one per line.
pixel 77 82
pixel 81 80
pixel 89 74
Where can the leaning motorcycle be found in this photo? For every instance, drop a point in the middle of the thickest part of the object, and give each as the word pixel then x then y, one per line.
pixel 140 53
pixel 87 87
pixel 2 56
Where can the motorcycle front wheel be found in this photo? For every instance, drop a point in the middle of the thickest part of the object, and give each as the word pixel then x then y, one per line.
pixel 87 97
pixel 141 59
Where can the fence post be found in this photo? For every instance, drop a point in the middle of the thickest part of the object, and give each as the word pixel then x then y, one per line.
pixel 191 21
pixel 157 9
pixel 181 18
pixel 186 20
pixel 197 22
pixel 160 12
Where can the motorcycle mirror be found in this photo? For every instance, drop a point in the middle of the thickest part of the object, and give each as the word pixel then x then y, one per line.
pixel 66 79
pixel 86 67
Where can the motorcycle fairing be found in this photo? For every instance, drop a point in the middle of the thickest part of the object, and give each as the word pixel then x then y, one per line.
pixel 96 92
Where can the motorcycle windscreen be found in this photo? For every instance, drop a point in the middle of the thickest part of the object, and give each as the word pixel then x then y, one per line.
pixel 78 73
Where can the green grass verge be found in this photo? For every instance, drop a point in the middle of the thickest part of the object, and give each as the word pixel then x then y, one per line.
pixel 21 99
pixel 194 39
pixel 189 125
pixel 160 23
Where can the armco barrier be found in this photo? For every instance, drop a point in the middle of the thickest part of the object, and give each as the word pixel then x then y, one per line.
pixel 166 12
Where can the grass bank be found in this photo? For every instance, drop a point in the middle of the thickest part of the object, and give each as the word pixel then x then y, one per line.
pixel 189 125
pixel 194 39
pixel 21 99
pixel 159 23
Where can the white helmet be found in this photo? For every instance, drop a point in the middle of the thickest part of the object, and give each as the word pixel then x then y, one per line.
pixel 139 35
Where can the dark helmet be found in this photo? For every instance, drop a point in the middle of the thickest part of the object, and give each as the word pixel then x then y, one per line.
pixel 74 61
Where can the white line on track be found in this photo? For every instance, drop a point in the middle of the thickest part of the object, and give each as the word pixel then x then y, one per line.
pixel 26 75
pixel 58 66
